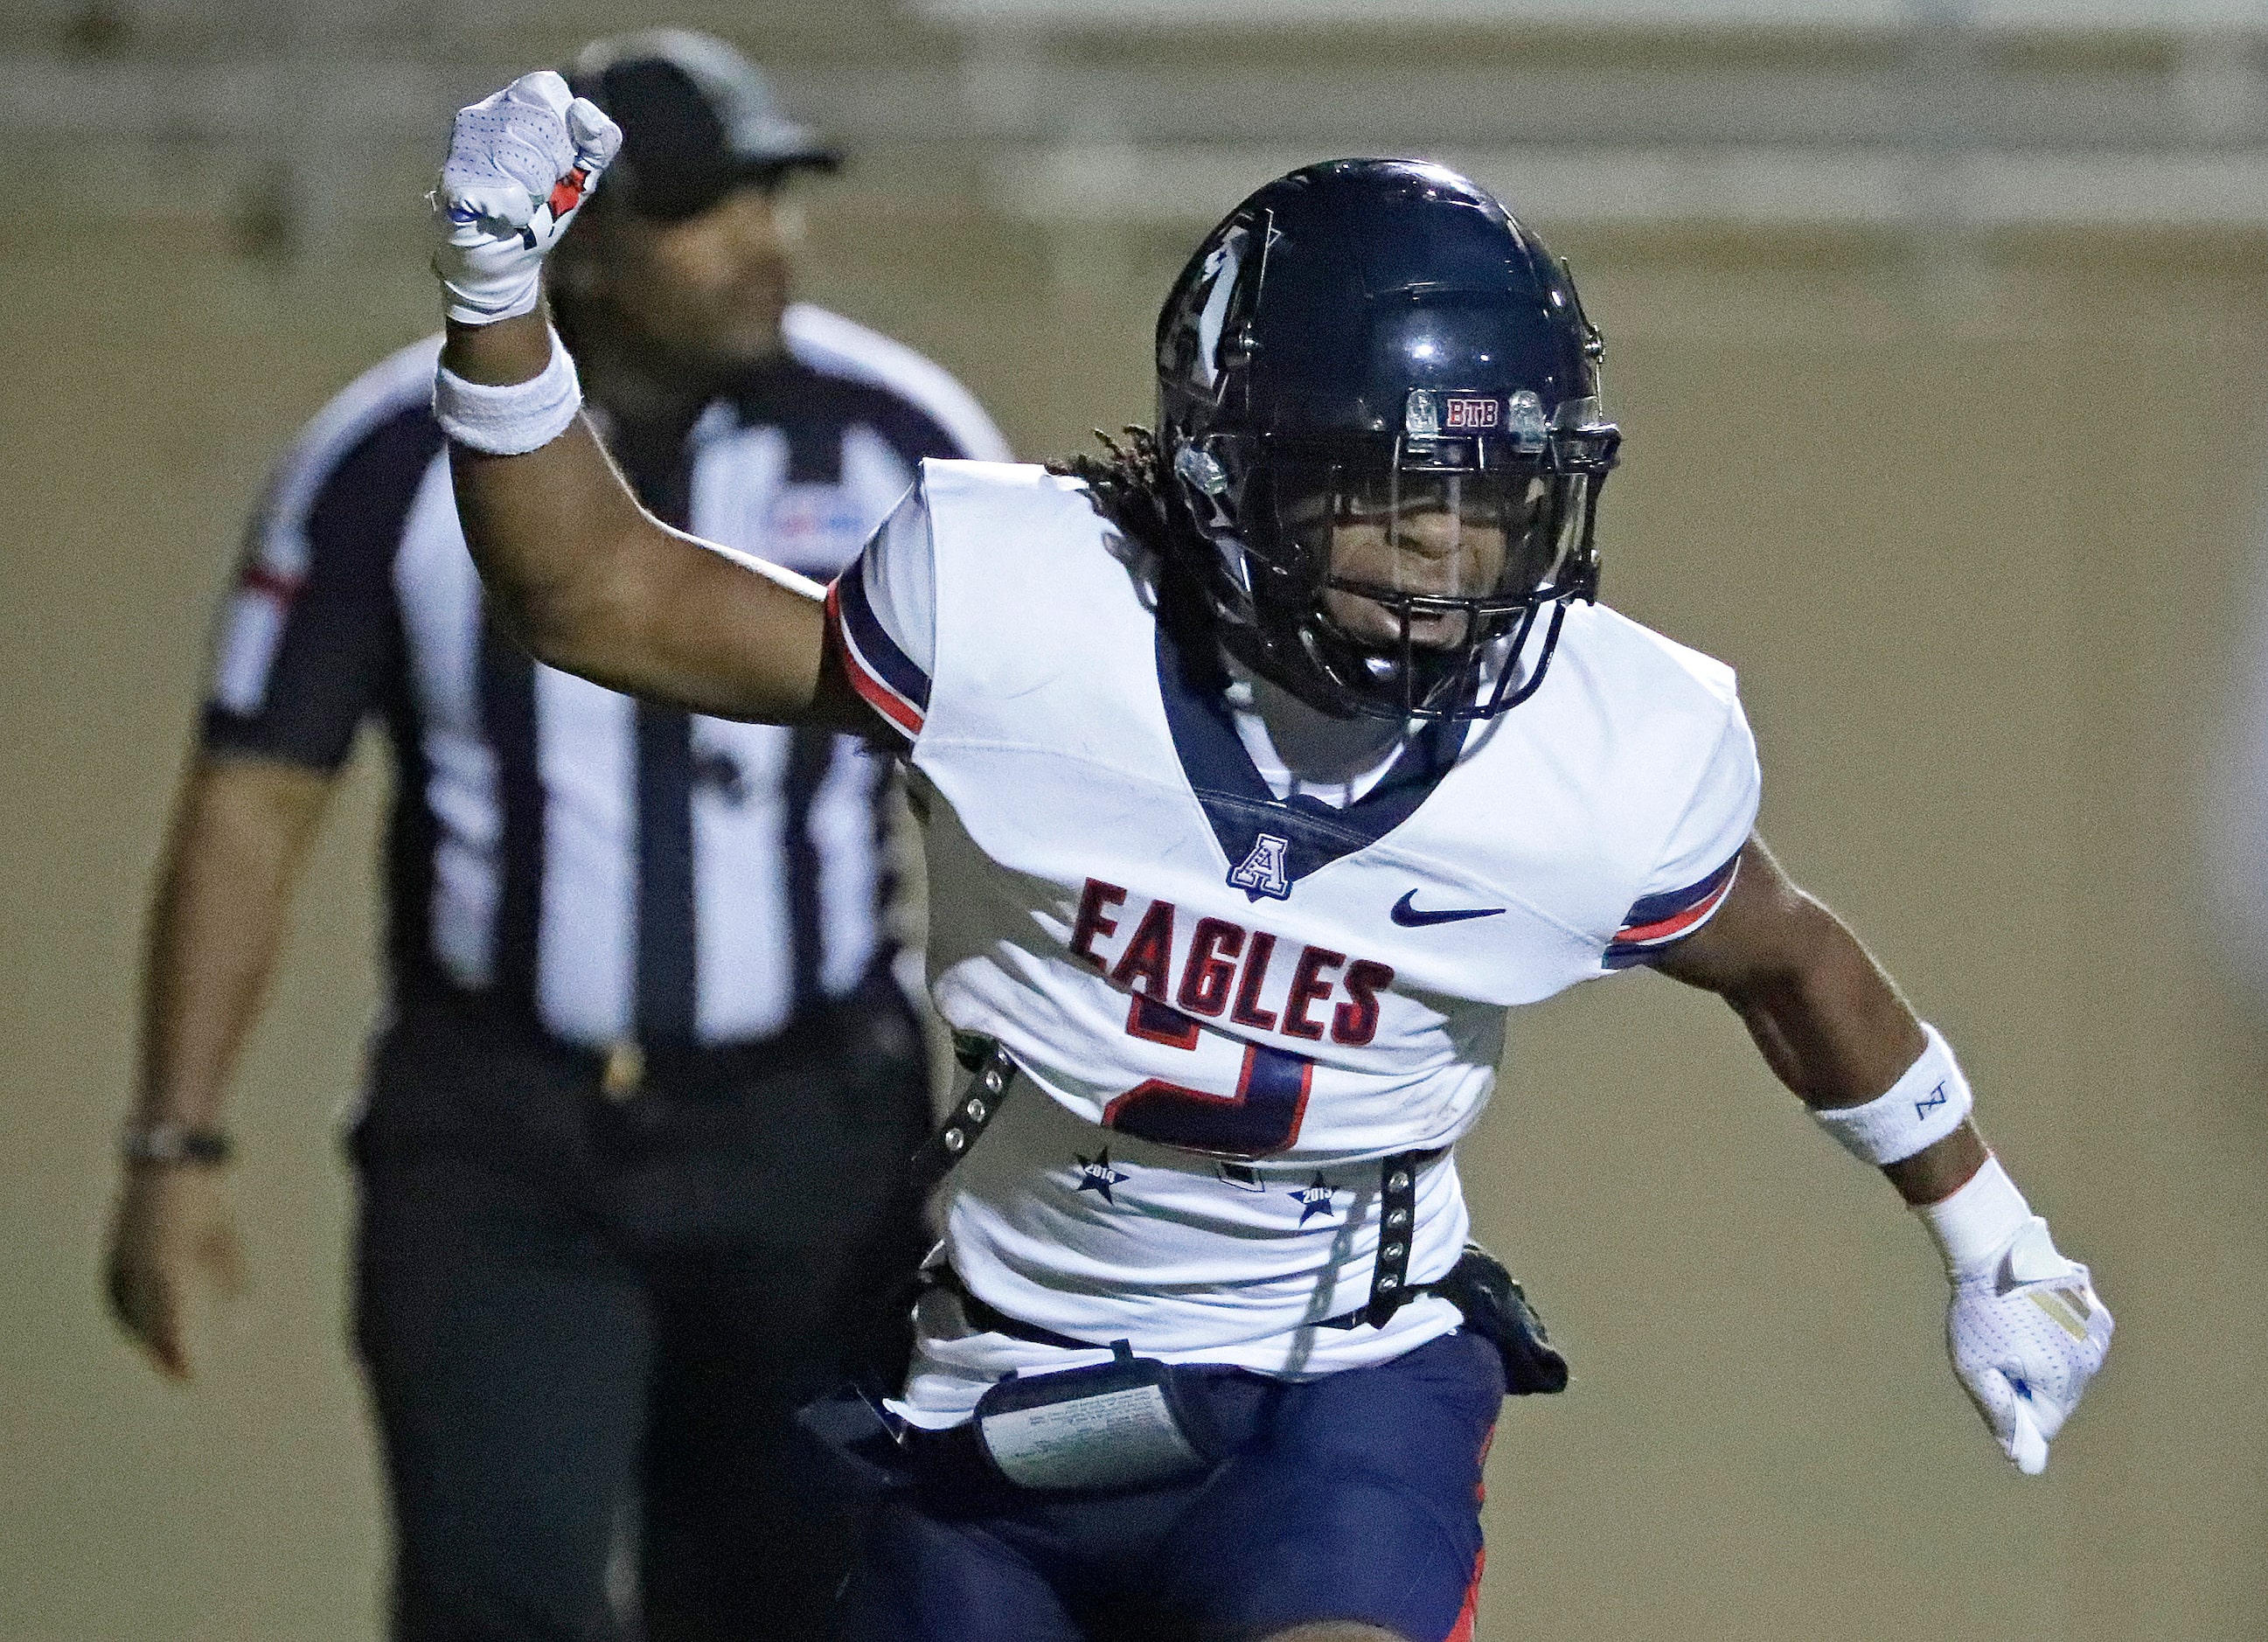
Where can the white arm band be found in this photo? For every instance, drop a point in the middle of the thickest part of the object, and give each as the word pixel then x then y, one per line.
pixel 514 418
pixel 1922 1107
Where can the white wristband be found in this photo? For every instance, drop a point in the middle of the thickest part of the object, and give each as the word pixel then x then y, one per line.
pixel 1976 1222
pixel 1927 1103
pixel 512 419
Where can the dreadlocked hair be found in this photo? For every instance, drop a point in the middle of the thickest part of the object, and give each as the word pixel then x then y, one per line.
pixel 1127 486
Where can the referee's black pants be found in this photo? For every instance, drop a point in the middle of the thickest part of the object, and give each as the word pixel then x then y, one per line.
pixel 586 1321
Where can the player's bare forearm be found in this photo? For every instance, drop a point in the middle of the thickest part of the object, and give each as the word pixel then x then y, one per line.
pixel 594 585
pixel 1829 1021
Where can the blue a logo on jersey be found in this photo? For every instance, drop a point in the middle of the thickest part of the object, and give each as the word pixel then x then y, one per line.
pixel 1263 871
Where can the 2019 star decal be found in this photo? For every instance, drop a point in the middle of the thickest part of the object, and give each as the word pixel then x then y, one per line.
pixel 1314 1199
pixel 1096 1174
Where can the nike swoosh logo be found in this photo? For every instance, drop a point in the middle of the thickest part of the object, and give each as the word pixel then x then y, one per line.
pixel 1410 918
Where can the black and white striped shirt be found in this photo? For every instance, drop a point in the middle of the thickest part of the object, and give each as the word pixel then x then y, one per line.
pixel 621 871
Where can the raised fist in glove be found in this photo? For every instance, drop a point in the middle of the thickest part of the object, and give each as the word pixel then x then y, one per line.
pixel 2025 1329
pixel 520 163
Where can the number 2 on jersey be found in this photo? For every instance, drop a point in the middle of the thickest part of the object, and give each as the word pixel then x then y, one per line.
pixel 1261 1118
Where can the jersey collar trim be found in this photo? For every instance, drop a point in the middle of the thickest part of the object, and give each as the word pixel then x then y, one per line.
pixel 1241 808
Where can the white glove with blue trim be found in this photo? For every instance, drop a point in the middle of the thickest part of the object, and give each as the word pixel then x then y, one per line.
pixel 520 164
pixel 2025 1329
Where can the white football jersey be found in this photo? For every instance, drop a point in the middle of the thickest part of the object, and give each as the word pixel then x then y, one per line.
pixel 1230 1006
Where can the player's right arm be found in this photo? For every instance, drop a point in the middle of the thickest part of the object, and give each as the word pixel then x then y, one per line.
pixel 587 578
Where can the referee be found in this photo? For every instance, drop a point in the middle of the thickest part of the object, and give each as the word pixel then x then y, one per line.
pixel 646 1078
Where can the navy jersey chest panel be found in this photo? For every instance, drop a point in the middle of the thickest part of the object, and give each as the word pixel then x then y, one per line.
pixel 1238 802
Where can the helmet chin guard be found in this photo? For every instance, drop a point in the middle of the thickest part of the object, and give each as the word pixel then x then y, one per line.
pixel 1379 400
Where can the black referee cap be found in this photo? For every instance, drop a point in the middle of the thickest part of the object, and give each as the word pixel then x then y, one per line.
pixel 698 120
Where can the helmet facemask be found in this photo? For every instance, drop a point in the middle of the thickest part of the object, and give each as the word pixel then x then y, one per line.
pixel 1403 577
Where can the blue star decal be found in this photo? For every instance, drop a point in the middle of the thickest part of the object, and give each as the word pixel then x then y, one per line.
pixel 1314 1199
pixel 1096 1174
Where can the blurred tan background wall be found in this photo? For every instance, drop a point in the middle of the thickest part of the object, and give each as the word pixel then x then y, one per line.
pixel 1968 492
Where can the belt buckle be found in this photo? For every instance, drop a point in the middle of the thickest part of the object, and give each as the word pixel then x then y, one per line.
pixel 624 1074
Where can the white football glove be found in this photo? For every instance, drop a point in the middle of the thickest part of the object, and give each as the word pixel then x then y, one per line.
pixel 2026 1333
pixel 520 163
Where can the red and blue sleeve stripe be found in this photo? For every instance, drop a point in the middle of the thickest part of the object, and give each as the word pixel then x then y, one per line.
pixel 1657 922
pixel 885 678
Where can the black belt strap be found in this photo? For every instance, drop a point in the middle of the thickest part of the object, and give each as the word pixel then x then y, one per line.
pixel 992 1320
pixel 1397 1218
pixel 992 1072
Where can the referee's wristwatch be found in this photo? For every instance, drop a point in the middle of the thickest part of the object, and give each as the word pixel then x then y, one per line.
pixel 174 1143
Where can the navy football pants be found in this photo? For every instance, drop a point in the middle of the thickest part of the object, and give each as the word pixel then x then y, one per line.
pixel 1354 1497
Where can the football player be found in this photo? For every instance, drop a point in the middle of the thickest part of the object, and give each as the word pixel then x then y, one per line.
pixel 1262 767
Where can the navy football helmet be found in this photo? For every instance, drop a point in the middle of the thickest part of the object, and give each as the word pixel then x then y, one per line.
pixel 1379 404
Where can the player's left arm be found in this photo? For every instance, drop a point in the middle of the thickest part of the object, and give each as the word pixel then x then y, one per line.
pixel 1829 1021
pixel 2025 1329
